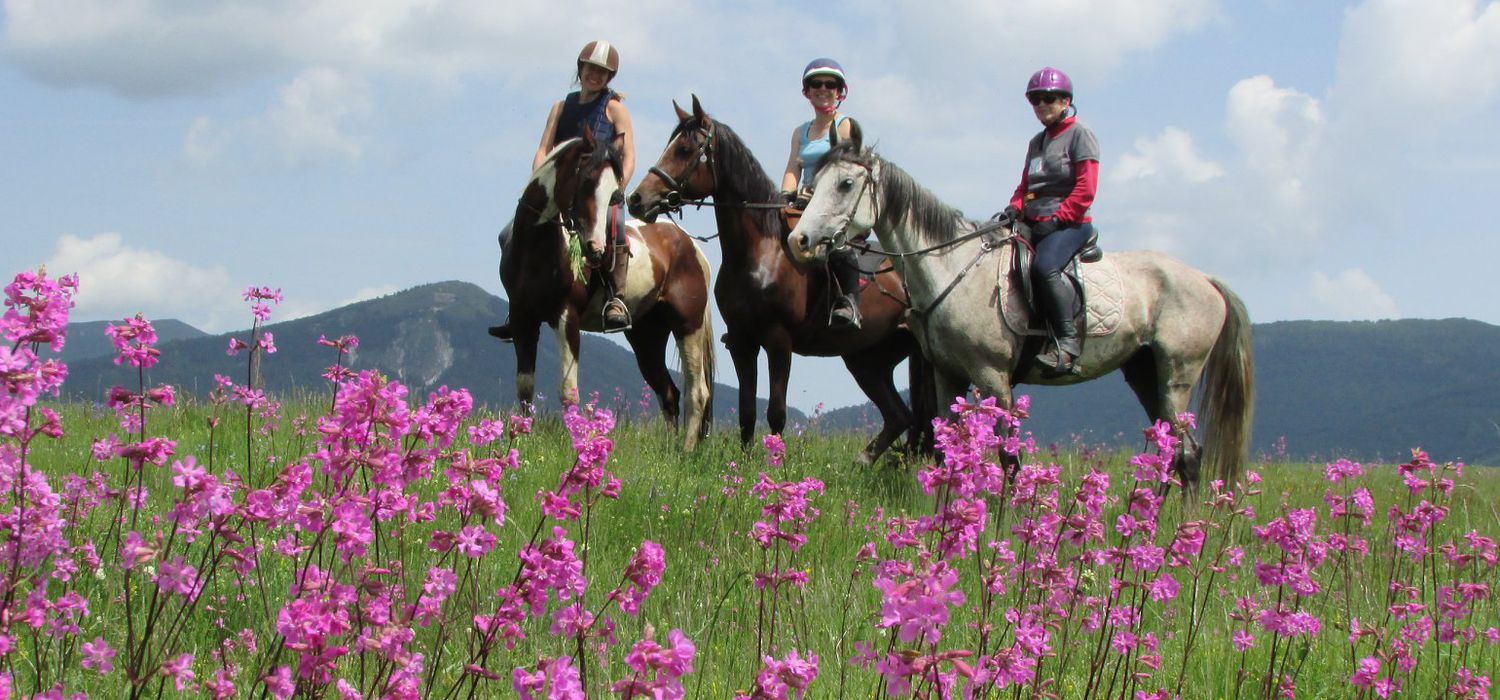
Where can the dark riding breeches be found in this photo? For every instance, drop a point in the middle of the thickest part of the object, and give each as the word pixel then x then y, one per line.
pixel 1055 249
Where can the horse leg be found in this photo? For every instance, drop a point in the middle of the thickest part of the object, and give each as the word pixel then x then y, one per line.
pixel 872 372
pixel 746 357
pixel 567 350
pixel 648 338
pixel 1140 374
pixel 779 366
pixel 525 334
pixel 993 382
pixel 1175 379
pixel 695 348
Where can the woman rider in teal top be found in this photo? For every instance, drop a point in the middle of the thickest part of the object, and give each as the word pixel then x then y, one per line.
pixel 825 88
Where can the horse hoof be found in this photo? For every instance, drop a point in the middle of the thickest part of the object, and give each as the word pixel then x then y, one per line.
pixel 864 459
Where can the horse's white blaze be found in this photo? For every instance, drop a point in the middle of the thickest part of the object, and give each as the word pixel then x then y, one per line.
pixel 598 236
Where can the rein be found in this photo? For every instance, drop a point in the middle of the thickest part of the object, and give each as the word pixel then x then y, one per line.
pixel 674 199
pixel 990 243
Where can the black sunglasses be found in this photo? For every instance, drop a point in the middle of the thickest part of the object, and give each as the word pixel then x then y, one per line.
pixel 824 84
pixel 1048 97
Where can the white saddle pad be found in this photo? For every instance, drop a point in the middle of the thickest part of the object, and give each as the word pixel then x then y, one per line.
pixel 1104 292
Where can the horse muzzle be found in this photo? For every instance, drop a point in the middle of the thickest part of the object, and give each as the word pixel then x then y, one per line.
pixel 806 251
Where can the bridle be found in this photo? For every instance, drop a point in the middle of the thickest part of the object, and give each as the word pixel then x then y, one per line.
pixel 566 218
pixel 990 242
pixel 673 200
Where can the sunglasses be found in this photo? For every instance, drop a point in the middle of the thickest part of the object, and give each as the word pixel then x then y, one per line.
pixel 1040 97
pixel 823 84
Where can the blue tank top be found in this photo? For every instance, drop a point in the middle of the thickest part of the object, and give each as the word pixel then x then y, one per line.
pixel 810 152
pixel 595 114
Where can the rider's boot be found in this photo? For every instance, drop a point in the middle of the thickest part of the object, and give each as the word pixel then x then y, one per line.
pixel 1057 361
pixel 616 314
pixel 503 332
pixel 845 268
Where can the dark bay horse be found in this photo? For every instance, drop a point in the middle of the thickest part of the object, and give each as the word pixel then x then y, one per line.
pixel 770 301
pixel 1162 323
pixel 667 291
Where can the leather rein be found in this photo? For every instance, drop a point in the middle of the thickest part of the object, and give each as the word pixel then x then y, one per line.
pixel 990 243
pixel 673 202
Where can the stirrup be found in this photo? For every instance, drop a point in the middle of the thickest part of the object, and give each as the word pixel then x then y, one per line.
pixel 1053 365
pixel 844 317
pixel 622 320
pixel 502 333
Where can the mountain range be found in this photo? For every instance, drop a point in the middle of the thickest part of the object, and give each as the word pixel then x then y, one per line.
pixel 1368 390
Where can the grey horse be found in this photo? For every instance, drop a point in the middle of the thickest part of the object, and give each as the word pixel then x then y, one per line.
pixel 1168 326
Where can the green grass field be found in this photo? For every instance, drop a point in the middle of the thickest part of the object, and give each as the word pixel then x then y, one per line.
pixel 680 501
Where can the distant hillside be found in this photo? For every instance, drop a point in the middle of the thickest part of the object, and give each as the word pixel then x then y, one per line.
pixel 1367 390
pixel 1364 389
pixel 425 337
pixel 87 339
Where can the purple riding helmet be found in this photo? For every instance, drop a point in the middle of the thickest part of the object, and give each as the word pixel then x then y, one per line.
pixel 1049 79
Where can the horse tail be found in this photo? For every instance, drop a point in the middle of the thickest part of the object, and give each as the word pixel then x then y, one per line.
pixel 706 340
pixel 701 343
pixel 1227 405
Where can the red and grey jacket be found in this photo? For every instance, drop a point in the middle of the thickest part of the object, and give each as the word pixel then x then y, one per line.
pixel 1061 174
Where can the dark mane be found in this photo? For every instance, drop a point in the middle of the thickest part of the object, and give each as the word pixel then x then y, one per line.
pixel 594 159
pixel 935 221
pixel 738 172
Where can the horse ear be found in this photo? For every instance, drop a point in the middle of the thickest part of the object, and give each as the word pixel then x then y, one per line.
pixel 588 137
pixel 681 115
pixel 856 135
pixel 698 112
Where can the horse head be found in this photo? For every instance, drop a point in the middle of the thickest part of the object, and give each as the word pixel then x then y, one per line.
pixel 685 169
pixel 578 178
pixel 843 204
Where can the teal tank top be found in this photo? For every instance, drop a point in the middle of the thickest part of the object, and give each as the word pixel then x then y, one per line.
pixel 810 153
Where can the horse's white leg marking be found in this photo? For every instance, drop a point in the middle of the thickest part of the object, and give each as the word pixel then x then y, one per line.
pixel 568 386
pixel 526 386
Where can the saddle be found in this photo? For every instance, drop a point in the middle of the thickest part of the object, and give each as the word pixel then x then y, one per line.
pixel 1020 272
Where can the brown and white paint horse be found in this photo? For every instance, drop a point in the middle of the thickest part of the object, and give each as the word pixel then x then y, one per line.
pixel 774 303
pixel 666 292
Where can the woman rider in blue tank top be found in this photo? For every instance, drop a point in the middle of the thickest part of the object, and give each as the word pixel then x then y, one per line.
pixel 603 111
pixel 825 87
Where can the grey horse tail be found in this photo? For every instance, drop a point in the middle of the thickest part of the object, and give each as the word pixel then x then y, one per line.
pixel 1227 405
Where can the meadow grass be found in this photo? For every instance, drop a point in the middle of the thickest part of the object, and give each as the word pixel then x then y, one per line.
pixel 699 508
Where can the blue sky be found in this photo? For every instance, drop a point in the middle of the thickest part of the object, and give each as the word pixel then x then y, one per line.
pixel 1328 160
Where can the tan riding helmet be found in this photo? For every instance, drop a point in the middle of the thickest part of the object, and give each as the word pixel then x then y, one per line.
pixel 600 53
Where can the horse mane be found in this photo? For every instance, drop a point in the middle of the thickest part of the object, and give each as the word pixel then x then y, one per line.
pixel 899 192
pixel 596 157
pixel 737 170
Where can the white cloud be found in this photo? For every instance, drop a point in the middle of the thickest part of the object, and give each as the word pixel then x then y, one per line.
pixel 1008 40
pixel 1437 60
pixel 313 115
pixel 1351 295
pixel 153 48
pixel 1169 155
pixel 1278 131
pixel 318 117
pixel 117 281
